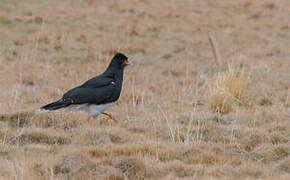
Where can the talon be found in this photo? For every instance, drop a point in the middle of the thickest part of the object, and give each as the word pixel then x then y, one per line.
pixel 110 116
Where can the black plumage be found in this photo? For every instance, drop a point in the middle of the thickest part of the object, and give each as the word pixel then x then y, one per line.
pixel 99 90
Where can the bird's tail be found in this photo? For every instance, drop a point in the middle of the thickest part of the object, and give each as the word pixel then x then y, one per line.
pixel 53 106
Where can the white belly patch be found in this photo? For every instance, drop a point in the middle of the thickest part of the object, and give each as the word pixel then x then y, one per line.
pixel 78 107
pixel 93 109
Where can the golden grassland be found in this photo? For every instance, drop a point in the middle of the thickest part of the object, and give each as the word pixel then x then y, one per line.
pixel 180 116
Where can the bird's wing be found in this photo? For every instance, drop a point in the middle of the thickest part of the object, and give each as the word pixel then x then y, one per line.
pixel 94 95
pixel 98 81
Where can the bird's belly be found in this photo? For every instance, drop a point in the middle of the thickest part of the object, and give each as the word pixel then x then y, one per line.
pixel 95 110
pixel 78 107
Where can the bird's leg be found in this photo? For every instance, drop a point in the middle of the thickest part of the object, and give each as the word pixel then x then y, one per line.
pixel 110 116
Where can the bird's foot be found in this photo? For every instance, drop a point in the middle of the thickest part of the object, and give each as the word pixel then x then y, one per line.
pixel 110 116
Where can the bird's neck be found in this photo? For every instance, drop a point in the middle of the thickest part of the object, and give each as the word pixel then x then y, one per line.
pixel 116 74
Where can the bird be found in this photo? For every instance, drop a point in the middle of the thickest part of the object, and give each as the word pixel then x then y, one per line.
pixel 97 94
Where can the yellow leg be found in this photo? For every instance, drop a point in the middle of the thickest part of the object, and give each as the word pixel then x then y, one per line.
pixel 110 116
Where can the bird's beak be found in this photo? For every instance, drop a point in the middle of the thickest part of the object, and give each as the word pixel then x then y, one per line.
pixel 126 62
pixel 129 63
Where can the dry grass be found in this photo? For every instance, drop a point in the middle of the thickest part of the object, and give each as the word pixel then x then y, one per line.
pixel 227 89
pixel 180 116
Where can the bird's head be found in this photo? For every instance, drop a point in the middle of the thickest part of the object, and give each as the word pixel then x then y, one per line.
pixel 121 60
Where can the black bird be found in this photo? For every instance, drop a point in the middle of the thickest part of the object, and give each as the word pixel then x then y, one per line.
pixel 96 94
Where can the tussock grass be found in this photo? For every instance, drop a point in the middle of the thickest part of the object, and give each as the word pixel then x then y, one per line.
pixel 17 119
pixel 127 150
pixel 38 137
pixel 132 168
pixel 227 89
pixel 31 137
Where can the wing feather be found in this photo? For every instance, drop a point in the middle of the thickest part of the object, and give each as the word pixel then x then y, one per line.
pixel 91 95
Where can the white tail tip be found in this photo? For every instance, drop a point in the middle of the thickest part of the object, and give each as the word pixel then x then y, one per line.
pixel 41 111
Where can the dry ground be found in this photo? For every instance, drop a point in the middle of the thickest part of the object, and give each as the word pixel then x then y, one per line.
pixel 180 116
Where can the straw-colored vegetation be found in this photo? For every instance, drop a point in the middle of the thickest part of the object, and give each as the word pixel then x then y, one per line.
pixel 180 115
pixel 228 88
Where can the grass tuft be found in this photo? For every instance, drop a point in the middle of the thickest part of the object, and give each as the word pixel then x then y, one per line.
pixel 226 89
pixel 17 119
pixel 132 168
pixel 42 138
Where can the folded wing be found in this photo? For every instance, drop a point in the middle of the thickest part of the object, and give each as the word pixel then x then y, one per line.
pixel 97 90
